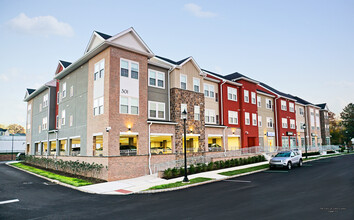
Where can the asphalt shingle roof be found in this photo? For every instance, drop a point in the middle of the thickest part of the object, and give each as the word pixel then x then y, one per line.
pixel 276 91
pixel 105 36
pixel 216 74
pixel 171 61
pixel 30 91
pixel 322 106
pixel 65 63
pixel 302 101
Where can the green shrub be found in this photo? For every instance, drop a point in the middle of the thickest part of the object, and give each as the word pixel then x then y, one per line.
pixel 311 153
pixel 167 173
pixel 204 167
pixel 217 165
pixel 227 163
pixel 330 152
pixel 222 164
pixel 237 162
pixel 191 169
pixel 181 171
pixel 210 166
pixel 175 172
pixel 198 168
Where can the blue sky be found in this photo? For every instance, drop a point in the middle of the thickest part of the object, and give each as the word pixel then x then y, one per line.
pixel 303 47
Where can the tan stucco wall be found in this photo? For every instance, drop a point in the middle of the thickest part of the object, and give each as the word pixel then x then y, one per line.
pixel 264 113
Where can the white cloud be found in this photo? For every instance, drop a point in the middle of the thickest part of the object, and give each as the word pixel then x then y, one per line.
pixel 340 83
pixel 4 77
pixel 197 11
pixel 41 25
pixel 10 74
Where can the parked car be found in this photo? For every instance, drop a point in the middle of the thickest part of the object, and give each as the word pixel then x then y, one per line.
pixel 286 159
pixel 160 150
pixel 127 150
pixel 20 156
pixel 214 147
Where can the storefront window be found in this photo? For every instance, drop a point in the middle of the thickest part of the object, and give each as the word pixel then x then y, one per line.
pixel 233 143
pixel 98 145
pixel 128 145
pixel 53 147
pixel 62 146
pixel 192 144
pixel 161 144
pixel 214 144
pixel 285 142
pixel 75 147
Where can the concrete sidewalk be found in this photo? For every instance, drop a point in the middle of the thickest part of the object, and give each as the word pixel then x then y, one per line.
pixel 135 185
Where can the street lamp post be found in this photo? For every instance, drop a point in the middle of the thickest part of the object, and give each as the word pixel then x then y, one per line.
pixel 304 127
pixel 184 117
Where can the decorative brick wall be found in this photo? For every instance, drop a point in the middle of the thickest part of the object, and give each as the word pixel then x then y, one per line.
pixel 178 97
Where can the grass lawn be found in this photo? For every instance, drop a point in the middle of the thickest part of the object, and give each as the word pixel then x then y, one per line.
pixel 178 184
pixel 246 170
pixel 64 179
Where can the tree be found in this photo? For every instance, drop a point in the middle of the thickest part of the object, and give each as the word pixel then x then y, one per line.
pixel 3 126
pixel 335 129
pixel 15 129
pixel 347 116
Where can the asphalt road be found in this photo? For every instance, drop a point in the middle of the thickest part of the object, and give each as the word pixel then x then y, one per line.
pixel 321 189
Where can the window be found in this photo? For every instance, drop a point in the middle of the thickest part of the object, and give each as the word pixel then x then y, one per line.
pixel 210 116
pixel 269 103
pixel 283 105
pixel 254 119
pixel 124 105
pixel 259 101
pixel 292 123
pixel 183 107
pixel 57 121
pixel 196 113
pixel 269 122
pixel 40 107
pixel 63 117
pixel 98 106
pixel 156 110
pixel 129 68
pixel 233 117
pixel 71 120
pixel 253 97
pixel 39 129
pixel 129 105
pixel 209 90
pixel 134 71
pixel 247 118
pixel 58 97
pixel 301 110
pixel 183 79
pixel 71 91
pixel 312 119
pixel 64 90
pixel 156 79
pixel 317 120
pixel 247 98
pixel 124 68
pixel 259 121
pixel 44 123
pixel 232 93
pixel 284 122
pixel 196 84
pixel 134 106
pixel 291 107
pixel 99 70
pixel 45 100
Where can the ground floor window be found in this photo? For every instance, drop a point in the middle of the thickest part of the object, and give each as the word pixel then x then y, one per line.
pixel 98 145
pixel 128 145
pixel 233 143
pixel 192 144
pixel 37 148
pixel 270 144
pixel 214 144
pixel 313 142
pixel 53 147
pixel 285 142
pixel 28 149
pixel 62 147
pixel 292 141
pixel 44 148
pixel 261 141
pixel 161 144
pixel 75 147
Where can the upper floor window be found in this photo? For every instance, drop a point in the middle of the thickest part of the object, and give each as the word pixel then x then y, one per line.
pixel 301 110
pixel 98 106
pixel 58 97
pixel 129 105
pixel 269 122
pixel 183 79
pixel 259 101
pixel 284 122
pixel 233 117
pixel 63 117
pixel 254 119
pixel 129 68
pixel 156 110
pixel 196 113
pixel 232 93
pixel 156 79
pixel 247 118
pixel 45 100
pixel 64 90
pixel 269 103
pixel 247 97
pixel 210 116
pixel 253 97
pixel 196 84
pixel 44 123
pixel 259 121
pixel 209 90
pixel 99 70
pixel 283 105
pixel 40 107
pixel 292 123
pixel 291 107
pixel 71 120
pixel 71 91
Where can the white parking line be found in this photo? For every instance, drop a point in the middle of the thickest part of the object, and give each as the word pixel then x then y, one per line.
pixel 9 201
pixel 238 181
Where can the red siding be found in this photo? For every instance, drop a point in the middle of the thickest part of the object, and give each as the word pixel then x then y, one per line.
pixel 285 114
pixel 59 69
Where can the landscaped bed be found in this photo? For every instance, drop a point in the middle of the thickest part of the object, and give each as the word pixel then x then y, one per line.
pixel 245 170
pixel 52 175
pixel 179 183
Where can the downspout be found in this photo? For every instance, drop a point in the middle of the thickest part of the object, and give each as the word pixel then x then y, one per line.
pixel 48 119
pixel 150 149
pixel 276 122
pixel 168 94
pixel 222 106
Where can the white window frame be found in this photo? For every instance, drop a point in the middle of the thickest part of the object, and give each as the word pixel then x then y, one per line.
pixel 63 117
pixel 156 79
pixel 180 81
pixel 40 107
pixel 253 98
pixel 130 62
pixel 196 112
pixel 259 101
pixel 291 107
pixel 129 105
pixel 210 88
pixel 71 91
pixel 283 105
pixel 259 121
pixel 44 123
pixel 270 123
pixel 233 117
pixel 284 123
pixel 198 84
pixel 292 124
pixel 45 100
pixel 231 92
pixel 247 118
pixel 156 104
pixel 210 115
pixel 64 90
pixel 246 96
pixel 267 104
pixel 58 97
pixel 71 120
pixel 254 119
pixel 99 70
pixel 301 111
pixel 98 106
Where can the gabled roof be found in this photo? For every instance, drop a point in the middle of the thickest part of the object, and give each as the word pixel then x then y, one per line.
pixel 302 101
pixel 215 74
pixel 323 106
pixel 221 77
pixel 265 92
pixel 64 63
pixel 238 76
pixel 51 83
pixel 288 96
pixel 2 129
pixel 104 36
pixel 30 91
pixel 177 63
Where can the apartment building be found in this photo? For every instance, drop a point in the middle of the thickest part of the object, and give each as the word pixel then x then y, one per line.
pixel 324 123
pixel 120 105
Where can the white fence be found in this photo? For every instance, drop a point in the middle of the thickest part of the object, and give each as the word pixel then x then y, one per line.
pixel 18 143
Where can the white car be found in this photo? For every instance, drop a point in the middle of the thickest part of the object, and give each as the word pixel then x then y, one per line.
pixel 286 159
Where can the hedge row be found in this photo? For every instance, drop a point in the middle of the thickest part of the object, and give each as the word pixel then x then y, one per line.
pixel 330 152
pixel 179 171
pixel 311 153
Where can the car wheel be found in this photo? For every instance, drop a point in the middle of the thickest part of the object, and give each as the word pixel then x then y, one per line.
pixel 289 166
pixel 300 163
pixel 160 153
pixel 271 167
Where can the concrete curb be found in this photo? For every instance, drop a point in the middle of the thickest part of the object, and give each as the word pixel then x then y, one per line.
pixel 48 179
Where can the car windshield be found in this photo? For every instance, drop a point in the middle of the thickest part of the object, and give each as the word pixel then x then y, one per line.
pixel 283 154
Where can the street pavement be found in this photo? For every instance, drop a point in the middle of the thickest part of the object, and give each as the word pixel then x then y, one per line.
pixel 322 189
